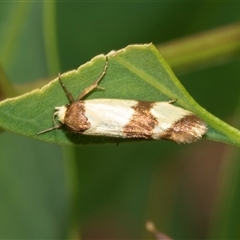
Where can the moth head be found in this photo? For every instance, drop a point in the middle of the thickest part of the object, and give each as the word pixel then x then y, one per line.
pixel 59 113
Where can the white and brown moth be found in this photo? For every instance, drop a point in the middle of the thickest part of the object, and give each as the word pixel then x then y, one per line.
pixel 127 118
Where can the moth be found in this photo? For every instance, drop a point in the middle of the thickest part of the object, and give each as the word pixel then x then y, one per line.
pixel 120 118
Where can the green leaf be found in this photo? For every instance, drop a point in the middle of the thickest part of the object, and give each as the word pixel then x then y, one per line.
pixel 137 72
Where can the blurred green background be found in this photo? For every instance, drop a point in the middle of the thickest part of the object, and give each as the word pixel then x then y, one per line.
pixel 104 191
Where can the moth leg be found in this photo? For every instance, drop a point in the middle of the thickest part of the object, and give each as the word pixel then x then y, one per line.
pixel 56 126
pixel 172 101
pixel 95 84
pixel 68 94
pixel 50 129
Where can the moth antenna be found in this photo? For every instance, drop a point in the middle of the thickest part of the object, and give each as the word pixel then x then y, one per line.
pixel 95 84
pixel 68 94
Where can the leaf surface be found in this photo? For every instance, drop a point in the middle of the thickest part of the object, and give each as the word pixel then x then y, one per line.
pixel 136 72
